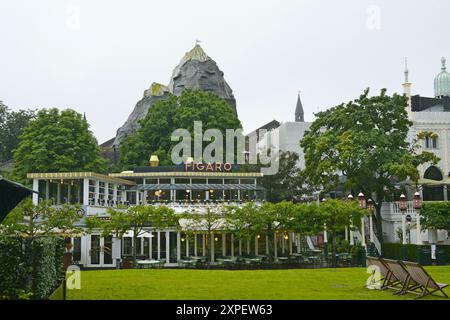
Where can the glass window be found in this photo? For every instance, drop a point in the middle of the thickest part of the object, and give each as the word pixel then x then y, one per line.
pixel 127 241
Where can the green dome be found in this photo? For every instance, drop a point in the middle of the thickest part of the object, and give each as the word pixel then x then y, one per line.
pixel 442 82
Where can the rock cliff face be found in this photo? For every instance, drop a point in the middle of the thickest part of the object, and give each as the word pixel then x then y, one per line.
pixel 196 71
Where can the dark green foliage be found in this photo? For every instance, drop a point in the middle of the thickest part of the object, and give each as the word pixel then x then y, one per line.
pixel 287 184
pixel 364 140
pixel 435 215
pixel 12 124
pixel 33 266
pixel 415 253
pixel 57 141
pixel 11 268
pixel 168 115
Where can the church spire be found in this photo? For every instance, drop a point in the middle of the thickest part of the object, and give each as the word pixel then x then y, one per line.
pixel 299 113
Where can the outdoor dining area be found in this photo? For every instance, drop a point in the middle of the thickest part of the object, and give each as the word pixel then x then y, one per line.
pixel 307 259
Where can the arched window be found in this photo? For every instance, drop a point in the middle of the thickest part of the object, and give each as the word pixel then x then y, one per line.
pixel 433 193
pixel 433 173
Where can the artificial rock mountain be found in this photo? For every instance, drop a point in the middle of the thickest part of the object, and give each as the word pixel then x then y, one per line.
pixel 196 71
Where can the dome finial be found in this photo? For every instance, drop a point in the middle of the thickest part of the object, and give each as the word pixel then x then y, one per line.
pixel 443 61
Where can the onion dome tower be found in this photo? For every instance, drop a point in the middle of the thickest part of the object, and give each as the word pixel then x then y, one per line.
pixel 442 82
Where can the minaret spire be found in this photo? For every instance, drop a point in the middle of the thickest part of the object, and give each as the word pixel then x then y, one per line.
pixel 407 87
pixel 406 70
pixel 299 113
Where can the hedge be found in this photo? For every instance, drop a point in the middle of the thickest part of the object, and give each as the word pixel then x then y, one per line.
pixel 30 268
pixel 415 253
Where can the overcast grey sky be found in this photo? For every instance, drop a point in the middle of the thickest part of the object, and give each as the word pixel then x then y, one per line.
pixel 99 56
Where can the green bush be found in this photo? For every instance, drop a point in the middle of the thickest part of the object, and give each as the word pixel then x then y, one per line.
pixel 416 253
pixel 30 268
pixel 11 268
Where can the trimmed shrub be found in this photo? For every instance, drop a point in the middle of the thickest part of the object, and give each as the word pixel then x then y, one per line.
pixel 31 267
pixel 415 253
pixel 11 268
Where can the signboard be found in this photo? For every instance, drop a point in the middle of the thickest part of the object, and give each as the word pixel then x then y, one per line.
pixel 208 167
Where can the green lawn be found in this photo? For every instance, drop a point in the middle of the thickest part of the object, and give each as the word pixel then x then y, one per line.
pixel 160 284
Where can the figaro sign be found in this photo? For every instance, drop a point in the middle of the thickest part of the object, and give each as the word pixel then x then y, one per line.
pixel 208 167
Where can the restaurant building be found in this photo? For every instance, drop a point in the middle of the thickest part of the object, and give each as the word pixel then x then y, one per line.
pixel 183 188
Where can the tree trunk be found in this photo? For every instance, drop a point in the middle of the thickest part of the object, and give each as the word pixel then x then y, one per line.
pixel 333 250
pixel 271 239
pixel 378 223
pixel 134 248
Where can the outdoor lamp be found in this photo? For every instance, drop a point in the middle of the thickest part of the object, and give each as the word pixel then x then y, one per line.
pixel 402 204
pixel 370 205
pixel 362 200
pixel 286 237
pixel 258 236
pixel 417 201
pixel 216 239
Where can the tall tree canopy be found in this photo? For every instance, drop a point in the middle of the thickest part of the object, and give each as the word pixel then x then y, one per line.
pixel 288 184
pixel 364 140
pixel 176 112
pixel 12 124
pixel 57 141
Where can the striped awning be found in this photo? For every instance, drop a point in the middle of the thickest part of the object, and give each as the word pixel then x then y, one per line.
pixel 196 186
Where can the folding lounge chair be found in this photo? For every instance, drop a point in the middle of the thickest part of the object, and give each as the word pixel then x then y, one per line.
pixel 426 282
pixel 401 273
pixel 388 279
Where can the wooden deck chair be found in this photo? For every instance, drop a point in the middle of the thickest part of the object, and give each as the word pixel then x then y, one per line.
pixel 401 273
pixel 388 279
pixel 426 282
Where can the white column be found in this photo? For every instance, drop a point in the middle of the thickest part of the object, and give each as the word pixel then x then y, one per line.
pixel 403 228
pixel 363 233
pixel 275 245
pixel 418 229
pixel 224 244
pixel 115 195
pixel 195 244
pixel 35 188
pixel 290 242
pixel 97 192
pixel 352 241
pixel 178 246
pixel 69 190
pixel 232 245
pixel 137 197
pixel 167 246
pixel 240 247
pixel 86 191
pixel 325 234
pixel 346 233
pixel 282 244
pixel 106 194
pixel 58 193
pixel 159 245
pixel 371 228
pixel 47 190
pixel 212 246
pixel 150 246
pixel 299 241
pixel 204 245
pixel 256 246
pixel 248 246
pixel 267 245
pixel 187 246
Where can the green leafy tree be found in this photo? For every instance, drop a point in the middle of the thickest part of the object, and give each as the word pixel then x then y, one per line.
pixel 138 219
pixel 435 215
pixel 251 220
pixel 12 124
pixel 57 141
pixel 204 222
pixel 29 220
pixel 176 112
pixel 364 140
pixel 288 184
pixel 336 215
